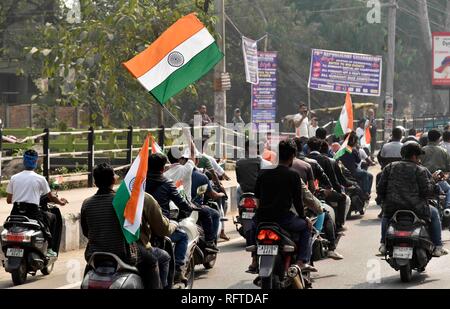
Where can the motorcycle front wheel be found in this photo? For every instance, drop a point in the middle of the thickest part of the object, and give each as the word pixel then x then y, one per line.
pixel 47 270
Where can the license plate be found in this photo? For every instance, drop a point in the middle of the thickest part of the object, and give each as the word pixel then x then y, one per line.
pixel 248 215
pixel 403 253
pixel 267 250
pixel 15 252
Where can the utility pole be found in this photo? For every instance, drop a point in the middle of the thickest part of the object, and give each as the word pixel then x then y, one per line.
pixel 220 95
pixel 389 103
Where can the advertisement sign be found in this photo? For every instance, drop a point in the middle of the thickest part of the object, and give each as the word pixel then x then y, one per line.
pixel 250 50
pixel 334 71
pixel 441 59
pixel 264 94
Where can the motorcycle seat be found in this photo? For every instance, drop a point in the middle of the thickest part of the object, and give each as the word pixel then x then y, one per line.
pixel 22 221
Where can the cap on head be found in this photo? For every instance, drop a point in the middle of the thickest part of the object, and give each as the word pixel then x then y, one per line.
pixel 410 149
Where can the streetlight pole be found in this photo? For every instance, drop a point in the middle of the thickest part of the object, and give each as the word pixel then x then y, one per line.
pixel 220 95
pixel 389 101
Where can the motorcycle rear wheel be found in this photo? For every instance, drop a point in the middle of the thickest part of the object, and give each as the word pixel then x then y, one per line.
pixel 190 274
pixel 47 270
pixel 406 273
pixel 19 276
pixel 267 283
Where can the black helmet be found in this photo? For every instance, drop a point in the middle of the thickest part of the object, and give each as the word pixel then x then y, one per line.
pixel 410 149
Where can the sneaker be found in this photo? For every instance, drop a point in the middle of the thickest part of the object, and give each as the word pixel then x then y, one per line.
pixel 440 251
pixel 211 247
pixel 382 249
pixel 180 277
pixel 334 255
pixel 51 253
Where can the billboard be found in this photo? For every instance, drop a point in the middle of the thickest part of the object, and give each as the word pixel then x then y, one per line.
pixel 335 71
pixel 441 59
pixel 264 94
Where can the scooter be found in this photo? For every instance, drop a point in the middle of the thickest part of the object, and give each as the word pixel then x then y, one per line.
pixel 108 271
pixel 408 244
pixel 25 247
pixel 246 210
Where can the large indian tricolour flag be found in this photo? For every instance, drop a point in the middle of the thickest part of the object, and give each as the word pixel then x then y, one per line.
pixel 345 122
pixel 129 200
pixel 180 56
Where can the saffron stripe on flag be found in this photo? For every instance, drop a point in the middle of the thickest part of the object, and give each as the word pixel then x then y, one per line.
pixel 180 31
pixel 188 74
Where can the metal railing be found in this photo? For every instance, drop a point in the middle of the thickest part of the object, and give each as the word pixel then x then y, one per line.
pixel 91 152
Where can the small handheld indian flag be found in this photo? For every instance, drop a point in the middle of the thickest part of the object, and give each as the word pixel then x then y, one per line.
pixel 345 122
pixel 345 148
pixel 129 200
pixel 180 56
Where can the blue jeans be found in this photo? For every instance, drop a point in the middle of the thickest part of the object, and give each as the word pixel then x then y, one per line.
pixel 163 263
pixel 293 223
pixel 210 221
pixel 446 188
pixel 435 227
pixel 319 223
pixel 365 180
pixel 180 238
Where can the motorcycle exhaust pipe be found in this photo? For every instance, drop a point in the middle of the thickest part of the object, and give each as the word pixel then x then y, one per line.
pixel 447 213
pixel 294 273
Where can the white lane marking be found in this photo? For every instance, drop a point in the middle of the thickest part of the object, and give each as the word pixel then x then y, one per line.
pixel 70 286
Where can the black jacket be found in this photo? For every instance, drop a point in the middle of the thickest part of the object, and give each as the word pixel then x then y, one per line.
pixel 319 174
pixel 164 191
pixel 247 171
pixel 327 167
pixel 404 185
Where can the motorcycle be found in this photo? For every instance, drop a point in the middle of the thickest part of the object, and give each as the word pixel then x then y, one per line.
pixel 408 244
pixel 276 252
pixel 246 212
pixel 25 246
pixel 108 271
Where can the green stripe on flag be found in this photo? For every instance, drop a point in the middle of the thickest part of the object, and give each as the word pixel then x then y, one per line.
pixel 338 131
pixel 119 203
pixel 188 73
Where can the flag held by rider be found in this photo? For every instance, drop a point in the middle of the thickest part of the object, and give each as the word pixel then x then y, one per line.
pixel 129 200
pixel 180 56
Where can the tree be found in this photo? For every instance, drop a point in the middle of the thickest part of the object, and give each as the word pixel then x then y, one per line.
pixel 83 61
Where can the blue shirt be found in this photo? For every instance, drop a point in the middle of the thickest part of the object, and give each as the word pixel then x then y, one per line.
pixel 199 179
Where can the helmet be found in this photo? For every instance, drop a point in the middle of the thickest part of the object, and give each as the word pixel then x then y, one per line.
pixel 410 149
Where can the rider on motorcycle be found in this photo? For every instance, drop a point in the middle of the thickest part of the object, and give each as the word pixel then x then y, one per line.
pixel 276 191
pixel 25 190
pixel 407 185
pixel 100 224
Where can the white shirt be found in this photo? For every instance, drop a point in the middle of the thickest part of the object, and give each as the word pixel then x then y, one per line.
pixel 303 129
pixel 27 187
pixel 183 173
pixel 363 156
pixel 312 131
pixel 359 133
pixel 446 146
pixel 217 168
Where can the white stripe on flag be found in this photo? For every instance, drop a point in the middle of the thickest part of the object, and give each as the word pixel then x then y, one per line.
pixel 189 49
pixel 132 228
